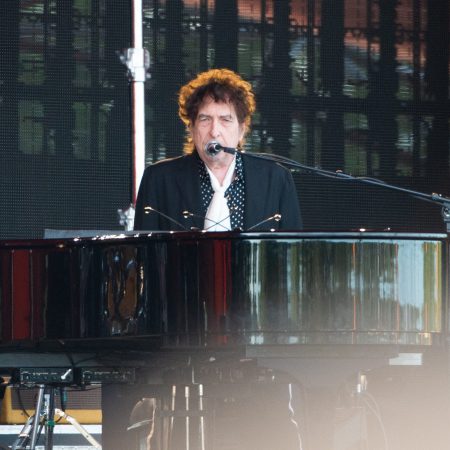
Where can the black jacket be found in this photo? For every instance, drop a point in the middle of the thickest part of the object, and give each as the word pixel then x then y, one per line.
pixel 172 186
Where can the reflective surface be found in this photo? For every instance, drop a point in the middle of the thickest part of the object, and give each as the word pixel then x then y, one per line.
pixel 220 289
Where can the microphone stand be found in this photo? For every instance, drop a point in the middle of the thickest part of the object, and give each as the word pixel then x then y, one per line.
pixel 434 198
pixel 276 217
pixel 148 209
pixel 187 214
pixel 439 199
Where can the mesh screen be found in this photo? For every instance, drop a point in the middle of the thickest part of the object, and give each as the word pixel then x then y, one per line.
pixel 360 86
pixel 65 126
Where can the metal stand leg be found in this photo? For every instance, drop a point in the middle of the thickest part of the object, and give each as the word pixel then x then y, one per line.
pixel 202 417
pixel 32 428
pixel 80 429
pixel 22 440
pixel 177 422
pixel 192 433
pixel 50 415
pixel 172 415
pixel 37 416
pixel 44 415
pixel 186 397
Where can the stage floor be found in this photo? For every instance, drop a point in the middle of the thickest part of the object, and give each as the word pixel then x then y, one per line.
pixel 66 437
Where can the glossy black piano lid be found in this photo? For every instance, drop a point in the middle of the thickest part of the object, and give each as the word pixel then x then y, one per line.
pixel 228 289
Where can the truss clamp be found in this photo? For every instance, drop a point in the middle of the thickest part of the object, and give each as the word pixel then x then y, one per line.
pixel 137 61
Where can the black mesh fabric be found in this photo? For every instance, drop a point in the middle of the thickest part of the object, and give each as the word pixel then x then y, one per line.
pixel 353 85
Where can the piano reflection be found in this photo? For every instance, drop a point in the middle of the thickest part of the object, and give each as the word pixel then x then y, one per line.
pixel 220 325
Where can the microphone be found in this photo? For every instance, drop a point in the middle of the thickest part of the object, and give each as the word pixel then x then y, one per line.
pixel 148 209
pixel 213 147
pixel 276 217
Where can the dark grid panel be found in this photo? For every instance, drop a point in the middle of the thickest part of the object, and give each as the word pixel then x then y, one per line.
pixel 355 85
pixel 65 127
pixel 345 84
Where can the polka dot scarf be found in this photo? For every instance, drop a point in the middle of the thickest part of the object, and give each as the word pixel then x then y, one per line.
pixel 235 194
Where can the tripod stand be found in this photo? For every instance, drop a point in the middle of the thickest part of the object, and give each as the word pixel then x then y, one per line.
pixel 42 417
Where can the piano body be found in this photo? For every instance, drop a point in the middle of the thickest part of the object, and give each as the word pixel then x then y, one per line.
pixel 316 319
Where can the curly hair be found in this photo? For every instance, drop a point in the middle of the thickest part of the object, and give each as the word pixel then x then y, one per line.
pixel 223 85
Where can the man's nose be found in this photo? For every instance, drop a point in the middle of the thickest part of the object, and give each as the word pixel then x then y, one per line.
pixel 215 128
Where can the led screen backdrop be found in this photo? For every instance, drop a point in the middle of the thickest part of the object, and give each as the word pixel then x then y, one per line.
pixel 360 86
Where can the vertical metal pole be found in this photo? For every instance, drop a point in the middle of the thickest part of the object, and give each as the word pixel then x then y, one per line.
pixel 187 395
pixel 138 100
pixel 369 37
pixel 50 418
pixel 310 87
pixel 263 35
pixel 172 416
pixel 203 35
pixel 202 417
pixel 417 8
pixel 37 415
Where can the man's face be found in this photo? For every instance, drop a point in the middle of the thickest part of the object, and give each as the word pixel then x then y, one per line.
pixel 216 122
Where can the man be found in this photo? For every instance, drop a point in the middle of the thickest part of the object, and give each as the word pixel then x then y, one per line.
pixel 215 190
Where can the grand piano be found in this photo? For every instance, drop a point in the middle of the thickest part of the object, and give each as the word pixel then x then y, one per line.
pixel 339 318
